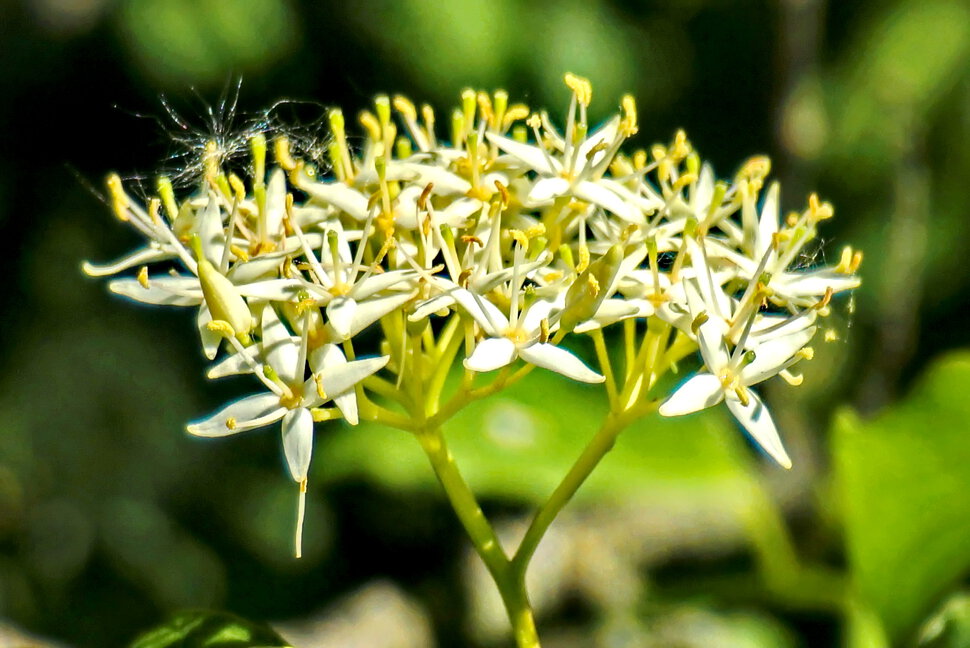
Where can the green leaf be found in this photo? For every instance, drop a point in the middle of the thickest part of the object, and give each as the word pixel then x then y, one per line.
pixel 205 629
pixel 903 479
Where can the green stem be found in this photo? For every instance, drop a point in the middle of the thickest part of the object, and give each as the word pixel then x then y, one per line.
pixel 482 535
pixel 601 443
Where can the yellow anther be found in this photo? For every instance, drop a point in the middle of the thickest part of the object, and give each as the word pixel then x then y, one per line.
pixel 592 286
pixel 238 188
pixel 819 211
pixel 681 147
pixel 427 114
pixel 580 86
pixel 831 335
pixel 543 330
pixel 167 193
pixel 143 277
pixel 514 113
pixel 685 180
pixel 281 150
pixel 856 261
pixel 658 151
pixel 383 107
pixel 154 205
pixel 425 194
pixel 404 106
pixel 601 146
pixel 504 192
pixel 824 301
pixel 472 239
pixel 536 230
pixel 119 200
pixel 628 125
pixel 485 108
pixel 534 121
pixel 806 353
pixel 794 380
pixel 230 423
pixel 583 258
pixel 371 125
pixel 792 219
pixel 468 100
pixel 519 237
pixel 755 170
pixel 402 148
pixel 240 253
pixel 336 118
pixel 210 160
pixel 639 159
pixel 698 322
pixel 321 392
pixel 463 277
pixel 221 327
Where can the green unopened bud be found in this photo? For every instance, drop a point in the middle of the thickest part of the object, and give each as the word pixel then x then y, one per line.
pixel 224 301
pixel 589 290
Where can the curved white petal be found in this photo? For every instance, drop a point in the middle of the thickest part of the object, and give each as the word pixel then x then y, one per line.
pixel 539 310
pixel 143 256
pixel 771 356
pixel 547 189
pixel 244 414
pixel 430 306
pixel 338 378
pixel 298 442
pixel 281 290
pixel 281 353
pixel 210 339
pixel 549 356
pixel 330 355
pixel 338 195
pixel 598 194
pixel 275 202
pixel 531 155
pixel 489 317
pixel 340 315
pixel 163 291
pixel 768 223
pixel 756 419
pixel 210 231
pixel 491 354
pixel 700 391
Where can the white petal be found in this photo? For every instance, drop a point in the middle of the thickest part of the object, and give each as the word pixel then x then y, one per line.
pixel 698 392
pixel 400 279
pixel 337 379
pixel 210 339
pixel 547 189
pixel 275 202
pixel 531 155
pixel 164 291
pixel 490 354
pixel 339 195
pixel 549 356
pixel 244 414
pixel 143 256
pixel 281 290
pixel 369 311
pixel 539 310
pixel 815 284
pixel 768 223
pixel 340 315
pixel 298 442
pixel 210 231
pixel 756 419
pixel 598 194
pixel 330 355
pixel 771 356
pixel 430 306
pixel 487 314
pixel 281 352
pixel 604 135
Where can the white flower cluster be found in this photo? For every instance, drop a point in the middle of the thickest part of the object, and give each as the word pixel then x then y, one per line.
pixel 501 242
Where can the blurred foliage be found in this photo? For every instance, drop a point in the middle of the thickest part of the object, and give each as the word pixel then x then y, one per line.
pixel 110 518
pixel 209 630
pixel 906 535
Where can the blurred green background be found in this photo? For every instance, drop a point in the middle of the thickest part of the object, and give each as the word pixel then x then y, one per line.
pixel 112 519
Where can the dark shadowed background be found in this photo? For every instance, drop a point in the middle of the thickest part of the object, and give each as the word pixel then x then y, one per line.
pixel 112 518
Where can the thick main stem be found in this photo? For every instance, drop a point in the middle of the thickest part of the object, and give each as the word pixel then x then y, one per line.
pixel 482 535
